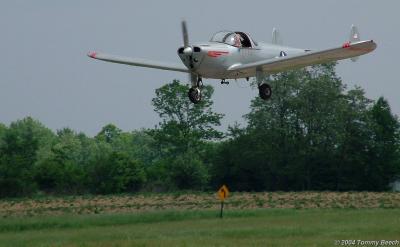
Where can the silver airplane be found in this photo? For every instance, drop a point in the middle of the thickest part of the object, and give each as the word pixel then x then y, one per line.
pixel 233 55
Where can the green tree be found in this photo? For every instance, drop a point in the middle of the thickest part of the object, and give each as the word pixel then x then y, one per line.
pixel 116 165
pixel 353 141
pixel 187 171
pixel 115 172
pixel 383 164
pixel 61 168
pixel 141 146
pixel 3 130
pixel 18 153
pixel 181 138
pixel 109 133
pixel 184 125
pixel 311 135
pixel 295 133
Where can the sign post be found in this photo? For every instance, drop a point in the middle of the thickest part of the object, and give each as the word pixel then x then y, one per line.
pixel 223 193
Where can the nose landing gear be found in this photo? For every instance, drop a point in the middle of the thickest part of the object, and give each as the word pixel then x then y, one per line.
pixel 194 93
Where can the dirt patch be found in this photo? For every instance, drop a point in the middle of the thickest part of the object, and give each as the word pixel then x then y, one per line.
pixel 236 200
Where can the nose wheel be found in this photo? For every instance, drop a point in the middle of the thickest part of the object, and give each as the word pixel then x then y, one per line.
pixel 265 91
pixel 194 93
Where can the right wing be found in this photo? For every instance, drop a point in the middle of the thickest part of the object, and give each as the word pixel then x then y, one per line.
pixel 138 62
pixel 307 58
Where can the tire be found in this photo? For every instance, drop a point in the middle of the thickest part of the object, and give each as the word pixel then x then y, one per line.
pixel 265 91
pixel 194 95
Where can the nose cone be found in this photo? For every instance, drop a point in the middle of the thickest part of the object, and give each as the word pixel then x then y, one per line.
pixel 188 50
pixel 191 56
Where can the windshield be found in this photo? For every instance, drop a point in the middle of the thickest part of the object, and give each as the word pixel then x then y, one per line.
pixel 237 39
pixel 223 37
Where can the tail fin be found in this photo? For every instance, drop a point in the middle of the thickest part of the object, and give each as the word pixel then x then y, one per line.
pixel 354 37
pixel 276 37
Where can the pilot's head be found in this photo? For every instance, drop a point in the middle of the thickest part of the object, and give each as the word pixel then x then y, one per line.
pixel 237 40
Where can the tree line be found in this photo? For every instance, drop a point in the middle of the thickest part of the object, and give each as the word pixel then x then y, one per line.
pixel 314 134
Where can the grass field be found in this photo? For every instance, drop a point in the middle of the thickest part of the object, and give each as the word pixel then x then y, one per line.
pixel 304 225
pixel 262 227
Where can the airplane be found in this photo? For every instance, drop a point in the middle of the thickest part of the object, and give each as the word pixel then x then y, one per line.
pixel 234 55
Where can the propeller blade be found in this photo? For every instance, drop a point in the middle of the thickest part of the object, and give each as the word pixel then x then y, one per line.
pixel 185 34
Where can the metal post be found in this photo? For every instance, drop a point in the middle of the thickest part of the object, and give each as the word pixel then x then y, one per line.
pixel 222 208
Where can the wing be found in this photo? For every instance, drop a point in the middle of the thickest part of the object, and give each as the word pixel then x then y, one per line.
pixel 279 64
pixel 138 62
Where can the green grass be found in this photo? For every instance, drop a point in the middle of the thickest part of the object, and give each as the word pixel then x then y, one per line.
pixel 261 227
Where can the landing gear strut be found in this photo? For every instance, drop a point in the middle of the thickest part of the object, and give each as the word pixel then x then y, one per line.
pixel 265 91
pixel 195 91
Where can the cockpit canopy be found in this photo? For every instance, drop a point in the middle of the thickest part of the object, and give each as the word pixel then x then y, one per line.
pixel 238 39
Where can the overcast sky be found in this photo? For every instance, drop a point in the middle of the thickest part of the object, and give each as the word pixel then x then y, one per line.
pixel 45 73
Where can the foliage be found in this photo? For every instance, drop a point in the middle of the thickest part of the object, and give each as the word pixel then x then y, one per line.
pixel 185 126
pixel 313 134
pixel 19 145
pixel 181 138
pixel 61 167
pixel 115 173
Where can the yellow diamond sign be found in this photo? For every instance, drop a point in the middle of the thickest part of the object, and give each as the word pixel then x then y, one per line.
pixel 223 192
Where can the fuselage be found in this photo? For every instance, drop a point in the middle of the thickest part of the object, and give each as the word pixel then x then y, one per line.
pixel 213 59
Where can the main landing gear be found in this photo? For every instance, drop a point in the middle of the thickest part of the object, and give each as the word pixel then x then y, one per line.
pixel 265 91
pixel 194 94
pixel 223 81
pixel 195 91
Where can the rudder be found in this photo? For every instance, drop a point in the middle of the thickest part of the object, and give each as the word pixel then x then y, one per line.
pixel 354 37
pixel 276 37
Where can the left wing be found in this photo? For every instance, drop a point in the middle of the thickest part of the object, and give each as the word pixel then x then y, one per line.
pixel 307 58
pixel 138 62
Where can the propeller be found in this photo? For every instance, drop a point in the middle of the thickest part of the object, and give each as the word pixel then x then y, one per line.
pixel 185 34
pixel 188 51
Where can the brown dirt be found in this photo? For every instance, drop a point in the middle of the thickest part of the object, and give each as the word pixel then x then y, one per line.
pixel 236 200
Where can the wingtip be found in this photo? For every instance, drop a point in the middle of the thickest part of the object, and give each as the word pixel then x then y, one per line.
pixel 92 54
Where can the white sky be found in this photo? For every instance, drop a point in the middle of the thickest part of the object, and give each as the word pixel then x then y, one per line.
pixel 44 71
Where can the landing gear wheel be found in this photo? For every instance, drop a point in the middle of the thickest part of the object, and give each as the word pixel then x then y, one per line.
pixel 223 81
pixel 194 95
pixel 265 91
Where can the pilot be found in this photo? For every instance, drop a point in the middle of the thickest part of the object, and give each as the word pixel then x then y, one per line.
pixel 238 40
